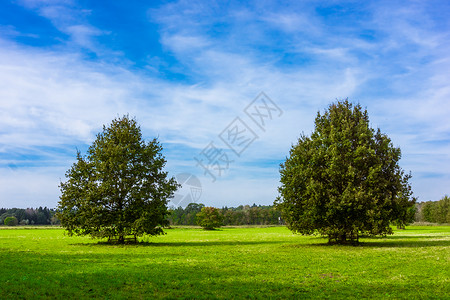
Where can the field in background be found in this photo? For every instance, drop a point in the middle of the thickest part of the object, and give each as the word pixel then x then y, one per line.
pixel 237 262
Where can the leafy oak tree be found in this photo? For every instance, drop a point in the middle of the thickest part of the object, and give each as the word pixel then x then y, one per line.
pixel 209 218
pixel 344 181
pixel 119 188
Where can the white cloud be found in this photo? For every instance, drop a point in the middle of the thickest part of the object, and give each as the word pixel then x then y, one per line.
pixel 293 22
pixel 32 187
pixel 184 44
pixel 70 19
pixel 83 35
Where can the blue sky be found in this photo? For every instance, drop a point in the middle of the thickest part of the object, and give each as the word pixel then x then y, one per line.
pixel 187 69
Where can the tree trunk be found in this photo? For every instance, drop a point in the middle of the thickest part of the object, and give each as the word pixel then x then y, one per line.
pixel 121 239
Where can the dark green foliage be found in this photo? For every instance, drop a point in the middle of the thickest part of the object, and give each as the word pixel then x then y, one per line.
pixel 251 215
pixel 11 221
pixel 344 181
pixel 30 216
pixel 407 218
pixel 435 211
pixel 209 218
pixel 241 215
pixel 186 216
pixel 119 188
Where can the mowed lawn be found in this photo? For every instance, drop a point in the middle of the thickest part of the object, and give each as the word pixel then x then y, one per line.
pixel 247 262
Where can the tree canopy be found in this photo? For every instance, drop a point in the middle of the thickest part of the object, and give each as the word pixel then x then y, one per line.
pixel 119 188
pixel 209 218
pixel 344 180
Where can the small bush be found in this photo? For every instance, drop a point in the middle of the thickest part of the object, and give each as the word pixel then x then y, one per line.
pixel 11 221
pixel 209 218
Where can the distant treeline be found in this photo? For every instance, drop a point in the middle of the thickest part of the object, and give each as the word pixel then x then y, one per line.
pixel 241 215
pixel 434 211
pixel 30 216
pixel 430 211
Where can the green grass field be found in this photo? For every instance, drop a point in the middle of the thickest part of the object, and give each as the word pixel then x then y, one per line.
pixel 228 263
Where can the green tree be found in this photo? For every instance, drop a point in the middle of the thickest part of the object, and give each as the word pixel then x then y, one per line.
pixel 344 181
pixel 436 211
pixel 191 213
pixel 119 188
pixel 426 211
pixel 209 218
pixel 11 221
pixel 442 210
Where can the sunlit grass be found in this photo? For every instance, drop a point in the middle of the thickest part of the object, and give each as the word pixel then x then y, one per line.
pixel 227 263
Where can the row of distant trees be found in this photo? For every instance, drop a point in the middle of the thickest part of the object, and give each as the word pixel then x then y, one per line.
pixel 434 211
pixel 241 215
pixel 430 211
pixel 28 216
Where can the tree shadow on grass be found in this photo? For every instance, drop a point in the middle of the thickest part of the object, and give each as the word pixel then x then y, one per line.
pixel 375 242
pixel 181 244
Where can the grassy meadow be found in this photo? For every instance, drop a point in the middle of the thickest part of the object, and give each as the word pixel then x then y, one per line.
pixel 234 262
